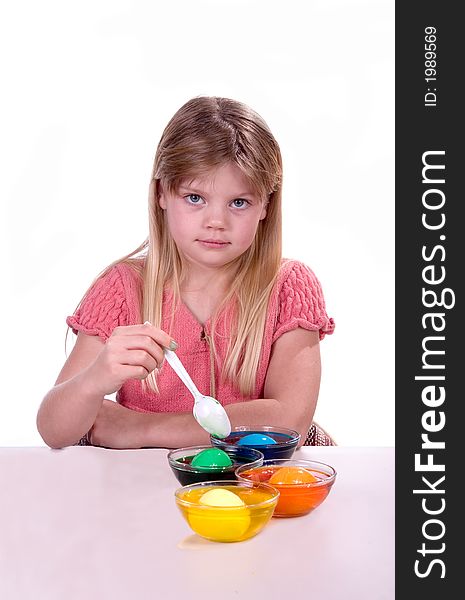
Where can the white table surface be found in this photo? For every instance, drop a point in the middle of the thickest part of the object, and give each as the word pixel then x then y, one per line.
pixel 90 523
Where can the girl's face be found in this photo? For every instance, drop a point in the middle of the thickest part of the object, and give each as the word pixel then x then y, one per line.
pixel 213 220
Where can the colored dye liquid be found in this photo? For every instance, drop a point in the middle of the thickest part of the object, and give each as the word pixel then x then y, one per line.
pixel 283 447
pixel 227 524
pixel 237 437
pixel 295 499
pixel 204 474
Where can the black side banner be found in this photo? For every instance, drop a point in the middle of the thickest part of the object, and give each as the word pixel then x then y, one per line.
pixel 429 298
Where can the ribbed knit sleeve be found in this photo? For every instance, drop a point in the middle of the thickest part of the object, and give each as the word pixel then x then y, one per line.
pixel 103 308
pixel 301 303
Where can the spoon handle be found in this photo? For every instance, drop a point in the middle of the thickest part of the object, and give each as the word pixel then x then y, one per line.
pixel 183 375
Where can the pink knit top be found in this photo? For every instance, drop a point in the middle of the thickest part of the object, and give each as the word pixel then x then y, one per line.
pixel 296 301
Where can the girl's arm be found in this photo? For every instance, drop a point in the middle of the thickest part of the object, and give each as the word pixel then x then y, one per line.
pixel 94 369
pixel 291 386
pixel 69 409
pixel 291 390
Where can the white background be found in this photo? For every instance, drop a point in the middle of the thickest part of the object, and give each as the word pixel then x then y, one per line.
pixel 88 88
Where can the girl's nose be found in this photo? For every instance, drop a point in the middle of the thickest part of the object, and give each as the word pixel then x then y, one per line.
pixel 215 217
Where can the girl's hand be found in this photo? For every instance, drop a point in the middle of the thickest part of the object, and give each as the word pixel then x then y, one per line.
pixel 131 352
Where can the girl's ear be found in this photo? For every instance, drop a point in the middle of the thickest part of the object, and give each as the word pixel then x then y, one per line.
pixel 161 196
pixel 263 213
pixel 162 201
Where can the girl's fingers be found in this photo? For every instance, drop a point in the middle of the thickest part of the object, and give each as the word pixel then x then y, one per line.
pixel 158 336
pixel 139 358
pixel 133 372
pixel 161 337
pixel 144 342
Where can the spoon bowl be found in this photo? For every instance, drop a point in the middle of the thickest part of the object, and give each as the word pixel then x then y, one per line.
pixel 207 411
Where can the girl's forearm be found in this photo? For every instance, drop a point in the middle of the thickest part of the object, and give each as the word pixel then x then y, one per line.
pixel 268 411
pixel 256 413
pixel 175 430
pixel 68 411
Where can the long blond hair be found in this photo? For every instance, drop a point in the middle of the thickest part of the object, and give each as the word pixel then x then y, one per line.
pixel 205 133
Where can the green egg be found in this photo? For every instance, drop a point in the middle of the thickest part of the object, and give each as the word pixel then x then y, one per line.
pixel 211 458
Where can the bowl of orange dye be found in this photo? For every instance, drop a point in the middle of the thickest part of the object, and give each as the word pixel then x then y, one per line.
pixel 302 484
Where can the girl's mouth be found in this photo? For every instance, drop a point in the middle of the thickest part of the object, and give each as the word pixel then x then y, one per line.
pixel 214 243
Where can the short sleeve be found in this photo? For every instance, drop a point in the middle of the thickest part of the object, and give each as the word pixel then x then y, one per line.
pixel 103 308
pixel 301 303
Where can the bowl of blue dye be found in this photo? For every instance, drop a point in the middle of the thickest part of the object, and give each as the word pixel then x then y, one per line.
pixel 195 464
pixel 273 442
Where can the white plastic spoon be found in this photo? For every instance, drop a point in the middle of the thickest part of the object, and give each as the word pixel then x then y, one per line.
pixel 207 411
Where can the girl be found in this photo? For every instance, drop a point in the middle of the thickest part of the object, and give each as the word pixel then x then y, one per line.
pixel 247 324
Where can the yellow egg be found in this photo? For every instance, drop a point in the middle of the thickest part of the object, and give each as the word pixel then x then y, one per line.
pixel 221 497
pixel 213 520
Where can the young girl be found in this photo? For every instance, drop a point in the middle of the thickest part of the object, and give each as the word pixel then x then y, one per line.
pixel 210 281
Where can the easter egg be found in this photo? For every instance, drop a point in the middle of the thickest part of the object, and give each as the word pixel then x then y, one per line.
pixel 291 475
pixel 256 439
pixel 211 458
pixel 213 520
pixel 221 497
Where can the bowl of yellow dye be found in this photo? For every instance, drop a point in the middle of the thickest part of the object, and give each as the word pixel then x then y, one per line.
pixel 227 511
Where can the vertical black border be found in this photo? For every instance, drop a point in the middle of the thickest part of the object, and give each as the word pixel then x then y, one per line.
pixel 420 128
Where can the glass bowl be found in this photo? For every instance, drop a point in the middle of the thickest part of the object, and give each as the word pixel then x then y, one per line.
pixel 302 484
pixel 286 440
pixel 181 458
pixel 256 503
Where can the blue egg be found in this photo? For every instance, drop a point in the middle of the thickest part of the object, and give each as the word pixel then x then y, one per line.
pixel 256 439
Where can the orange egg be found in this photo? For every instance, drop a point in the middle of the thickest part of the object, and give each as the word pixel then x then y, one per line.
pixel 291 475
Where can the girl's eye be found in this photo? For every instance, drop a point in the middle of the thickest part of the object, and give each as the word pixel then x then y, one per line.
pixel 239 203
pixel 193 199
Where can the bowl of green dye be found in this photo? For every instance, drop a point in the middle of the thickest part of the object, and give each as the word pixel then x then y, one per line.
pixel 195 464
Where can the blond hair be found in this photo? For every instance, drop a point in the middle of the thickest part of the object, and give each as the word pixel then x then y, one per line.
pixel 204 134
